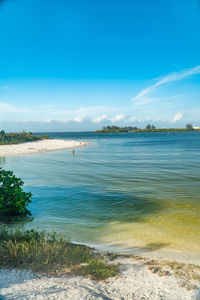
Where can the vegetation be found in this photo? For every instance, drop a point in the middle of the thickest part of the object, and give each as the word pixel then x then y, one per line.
pixel 16 138
pixel 161 130
pixel 152 128
pixel 13 200
pixel 99 270
pixel 189 127
pixel 38 251
pixel 149 128
pixel 115 129
pixel 50 253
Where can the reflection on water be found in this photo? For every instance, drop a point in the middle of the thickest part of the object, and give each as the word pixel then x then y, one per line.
pixel 2 161
pixel 19 221
pixel 135 191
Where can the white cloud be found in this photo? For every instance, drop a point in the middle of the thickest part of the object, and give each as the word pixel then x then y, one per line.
pixel 171 77
pixel 144 101
pixel 9 108
pixel 46 121
pixel 177 117
pixel 131 119
pixel 95 110
pixel 118 118
pixel 79 119
pixel 94 114
pixel 100 118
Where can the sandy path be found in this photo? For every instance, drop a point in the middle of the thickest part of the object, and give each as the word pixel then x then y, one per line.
pixel 38 146
pixel 135 282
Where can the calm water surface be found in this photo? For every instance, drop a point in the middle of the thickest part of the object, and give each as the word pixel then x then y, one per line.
pixel 134 192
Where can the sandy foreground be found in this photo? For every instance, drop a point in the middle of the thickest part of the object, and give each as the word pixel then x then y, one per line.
pixel 137 280
pixel 38 146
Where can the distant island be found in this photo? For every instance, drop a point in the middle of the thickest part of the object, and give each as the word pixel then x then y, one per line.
pixel 17 138
pixel 149 128
pixel 116 129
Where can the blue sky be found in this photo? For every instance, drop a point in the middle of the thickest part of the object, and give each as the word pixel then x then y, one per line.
pixel 78 65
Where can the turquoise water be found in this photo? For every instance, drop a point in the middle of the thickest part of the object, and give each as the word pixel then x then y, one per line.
pixel 126 191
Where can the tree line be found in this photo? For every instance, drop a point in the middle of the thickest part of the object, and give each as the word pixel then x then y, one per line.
pixel 16 138
pixel 149 128
pixel 116 129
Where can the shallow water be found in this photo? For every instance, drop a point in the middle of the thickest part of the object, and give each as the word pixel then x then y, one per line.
pixel 135 191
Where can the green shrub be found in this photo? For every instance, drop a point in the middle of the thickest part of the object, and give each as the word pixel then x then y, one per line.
pixel 13 200
pixel 99 269
pixel 17 137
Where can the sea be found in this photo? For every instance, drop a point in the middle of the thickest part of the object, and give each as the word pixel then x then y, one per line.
pixel 135 193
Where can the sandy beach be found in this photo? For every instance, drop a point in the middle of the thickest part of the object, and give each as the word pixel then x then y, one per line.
pixel 137 280
pixel 38 146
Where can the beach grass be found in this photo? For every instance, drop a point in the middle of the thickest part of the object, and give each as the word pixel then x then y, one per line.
pixel 50 253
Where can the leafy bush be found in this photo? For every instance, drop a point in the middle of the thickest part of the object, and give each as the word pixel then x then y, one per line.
pixel 17 137
pixel 13 200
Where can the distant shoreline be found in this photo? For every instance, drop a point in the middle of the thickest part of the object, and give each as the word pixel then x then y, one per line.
pixel 147 130
pixel 38 146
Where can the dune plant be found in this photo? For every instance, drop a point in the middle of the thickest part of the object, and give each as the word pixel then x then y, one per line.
pixel 50 253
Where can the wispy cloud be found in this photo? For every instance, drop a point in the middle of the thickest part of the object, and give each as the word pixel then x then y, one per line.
pixel 169 78
pixel 99 119
pixel 95 114
pixel 177 117
pixel 91 110
pixel 131 119
pixel 118 118
pixel 79 119
pixel 9 108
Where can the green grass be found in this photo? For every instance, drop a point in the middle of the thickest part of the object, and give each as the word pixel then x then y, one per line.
pixel 50 253
pixel 99 270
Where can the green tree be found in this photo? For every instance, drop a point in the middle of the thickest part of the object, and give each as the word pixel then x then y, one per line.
pixel 2 135
pixel 150 127
pixel 13 200
pixel 189 127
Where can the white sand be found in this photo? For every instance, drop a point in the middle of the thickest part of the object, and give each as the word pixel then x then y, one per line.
pixel 38 146
pixel 136 281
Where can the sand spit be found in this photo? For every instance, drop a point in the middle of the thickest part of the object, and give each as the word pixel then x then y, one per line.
pixel 137 281
pixel 38 146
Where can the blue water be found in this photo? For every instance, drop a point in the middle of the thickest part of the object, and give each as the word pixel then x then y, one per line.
pixel 125 191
